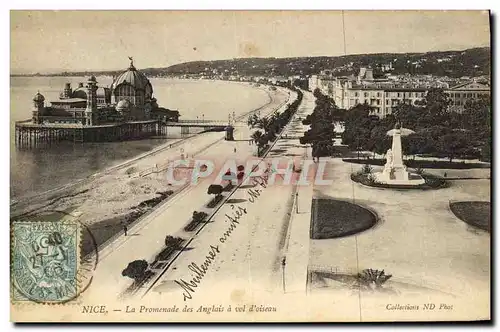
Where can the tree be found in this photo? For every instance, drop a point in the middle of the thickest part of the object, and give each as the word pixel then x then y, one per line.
pixel 428 142
pixel 215 189
pixel 410 116
pixel 477 118
pixel 358 127
pixel 436 104
pixel 264 123
pixel 252 120
pixel 136 269
pixel 260 139
pixel 452 145
pixel 418 143
pixel 379 142
pixel 256 136
pixel 372 279
pixel 321 133
pixel 486 152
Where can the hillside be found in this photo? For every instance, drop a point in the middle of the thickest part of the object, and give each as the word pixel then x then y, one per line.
pixel 470 62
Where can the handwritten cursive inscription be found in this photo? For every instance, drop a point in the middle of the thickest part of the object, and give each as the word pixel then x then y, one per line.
pixel 233 219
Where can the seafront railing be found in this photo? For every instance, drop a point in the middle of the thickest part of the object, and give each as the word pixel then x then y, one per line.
pixel 202 121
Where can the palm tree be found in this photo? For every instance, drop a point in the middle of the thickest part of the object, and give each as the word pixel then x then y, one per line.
pixel 260 139
pixel 256 136
pixel 264 123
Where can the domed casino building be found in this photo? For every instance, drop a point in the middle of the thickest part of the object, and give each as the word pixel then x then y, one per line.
pixel 129 98
pixel 90 113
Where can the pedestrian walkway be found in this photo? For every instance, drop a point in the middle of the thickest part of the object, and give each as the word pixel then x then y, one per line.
pixel 251 258
pixel 146 238
pixel 297 250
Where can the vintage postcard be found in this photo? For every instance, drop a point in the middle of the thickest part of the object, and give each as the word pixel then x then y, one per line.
pixel 250 166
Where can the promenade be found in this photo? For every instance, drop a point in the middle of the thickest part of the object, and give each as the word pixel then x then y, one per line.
pixel 146 239
pixel 248 264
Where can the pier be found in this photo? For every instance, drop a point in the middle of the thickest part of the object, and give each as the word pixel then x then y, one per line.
pixel 29 134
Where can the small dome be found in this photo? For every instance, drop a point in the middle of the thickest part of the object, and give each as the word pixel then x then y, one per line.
pixel 80 92
pixel 39 97
pixel 122 105
pixel 102 92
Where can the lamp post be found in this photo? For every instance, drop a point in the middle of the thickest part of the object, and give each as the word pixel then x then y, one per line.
pixel 357 145
pixel 297 203
pixel 283 263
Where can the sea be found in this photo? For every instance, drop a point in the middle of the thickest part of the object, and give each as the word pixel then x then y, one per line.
pixel 40 169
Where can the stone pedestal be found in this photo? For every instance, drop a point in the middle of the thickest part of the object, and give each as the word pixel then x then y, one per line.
pixel 395 172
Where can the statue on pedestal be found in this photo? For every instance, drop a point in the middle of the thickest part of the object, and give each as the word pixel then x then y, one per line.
pixel 389 158
pixel 395 171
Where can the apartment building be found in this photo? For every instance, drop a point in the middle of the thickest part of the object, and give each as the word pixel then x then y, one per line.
pixel 461 93
pixel 383 99
pixel 383 95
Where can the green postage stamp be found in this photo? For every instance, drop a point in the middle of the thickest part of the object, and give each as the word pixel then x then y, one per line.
pixel 44 261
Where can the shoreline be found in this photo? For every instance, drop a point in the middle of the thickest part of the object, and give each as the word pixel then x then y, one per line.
pixel 21 206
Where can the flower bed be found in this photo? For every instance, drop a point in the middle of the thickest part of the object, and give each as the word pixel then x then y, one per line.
pixel 475 213
pixel 195 221
pixel 213 203
pixel 335 218
pixel 431 182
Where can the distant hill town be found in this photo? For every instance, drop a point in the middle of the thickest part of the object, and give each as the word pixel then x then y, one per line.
pixel 471 62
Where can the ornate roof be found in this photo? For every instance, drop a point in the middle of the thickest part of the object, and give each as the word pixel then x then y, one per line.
pixel 132 77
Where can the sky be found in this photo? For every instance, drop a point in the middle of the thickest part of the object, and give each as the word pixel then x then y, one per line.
pixel 54 41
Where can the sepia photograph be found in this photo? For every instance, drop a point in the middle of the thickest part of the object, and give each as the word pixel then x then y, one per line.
pixel 250 166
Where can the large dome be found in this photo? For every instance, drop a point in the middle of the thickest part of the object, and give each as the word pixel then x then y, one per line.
pixel 134 78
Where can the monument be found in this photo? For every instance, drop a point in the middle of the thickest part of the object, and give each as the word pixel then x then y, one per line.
pixel 395 172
